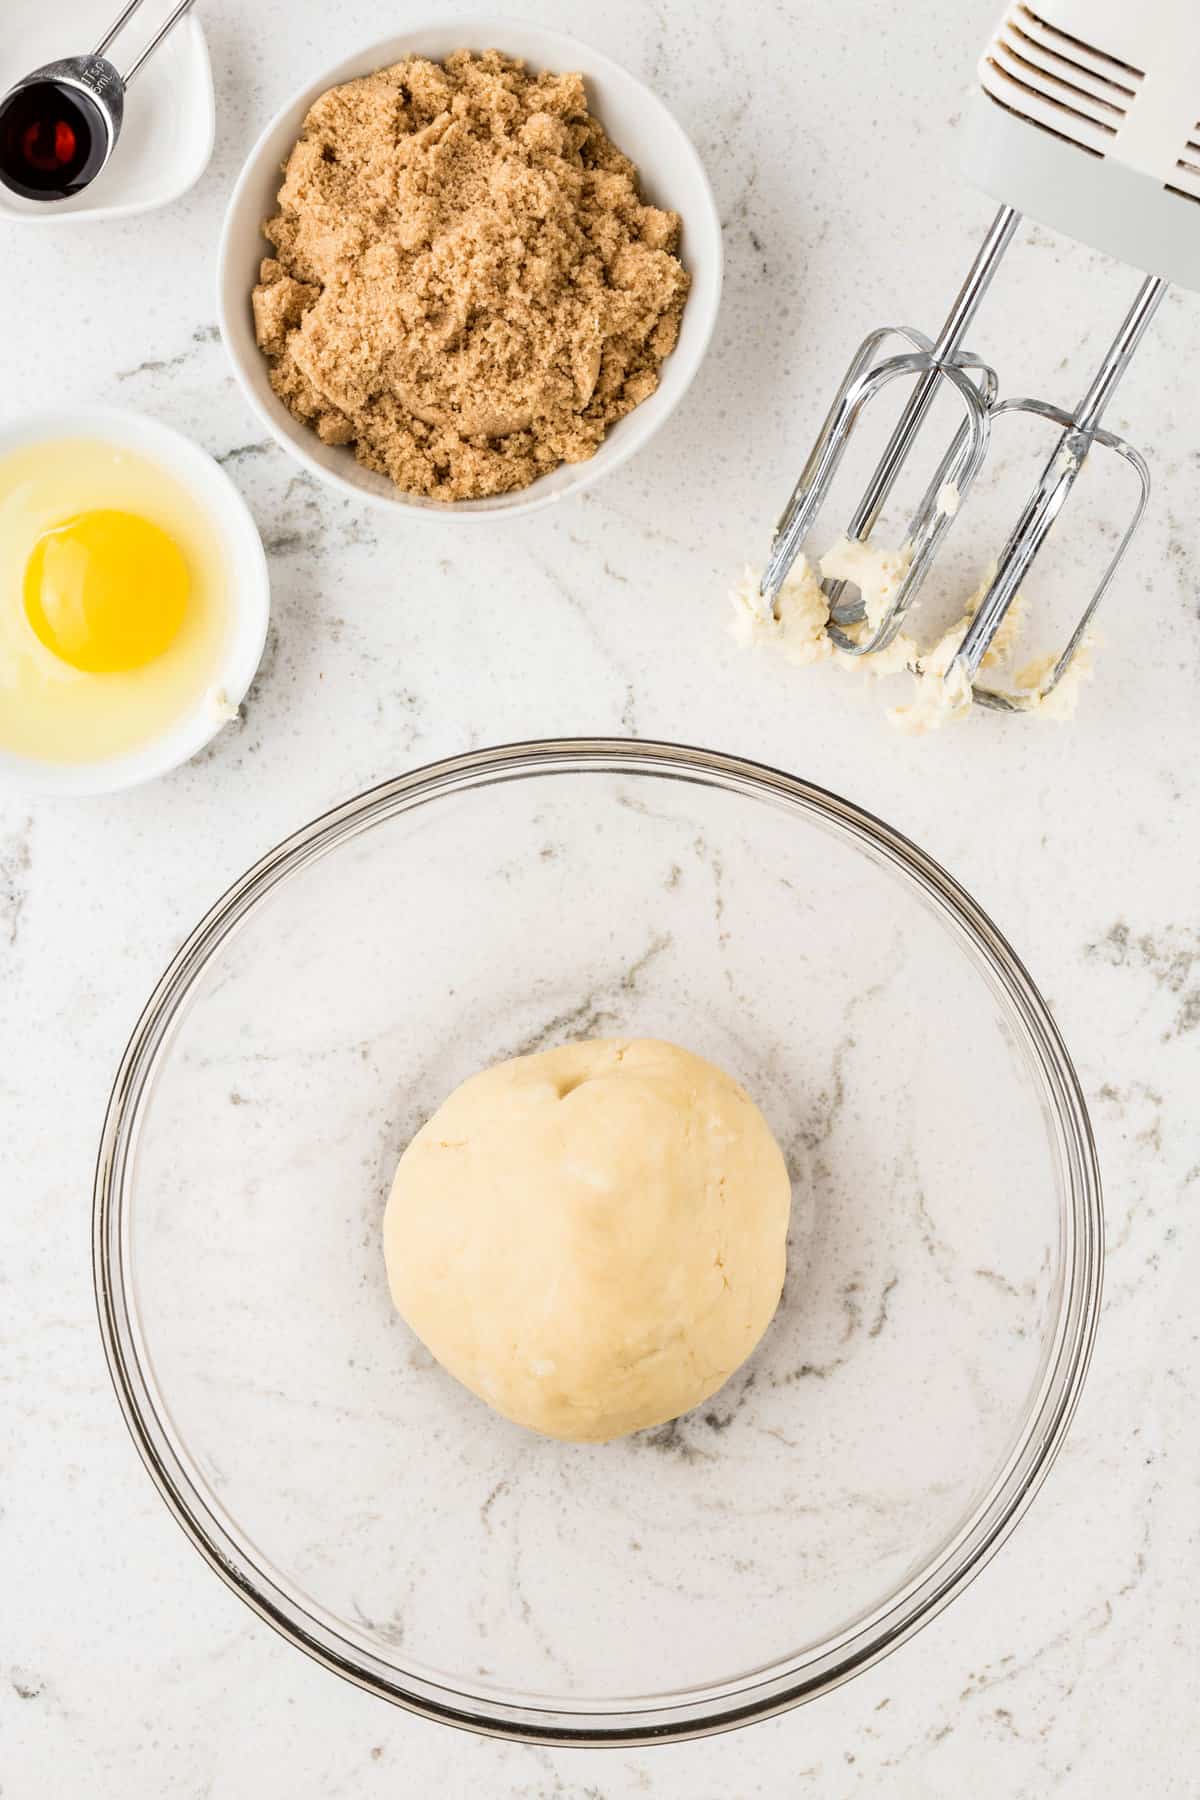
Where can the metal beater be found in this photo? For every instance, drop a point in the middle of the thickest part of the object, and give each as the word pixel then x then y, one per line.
pixel 1088 120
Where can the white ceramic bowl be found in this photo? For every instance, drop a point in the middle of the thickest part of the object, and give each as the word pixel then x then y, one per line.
pixel 215 495
pixel 639 124
pixel 167 137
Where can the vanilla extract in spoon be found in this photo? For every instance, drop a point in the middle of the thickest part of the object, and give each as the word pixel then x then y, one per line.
pixel 60 124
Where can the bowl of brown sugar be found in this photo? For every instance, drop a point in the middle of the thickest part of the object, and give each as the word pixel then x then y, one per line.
pixel 468 278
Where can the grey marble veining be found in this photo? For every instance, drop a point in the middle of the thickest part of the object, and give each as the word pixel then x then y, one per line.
pixel 1069 1665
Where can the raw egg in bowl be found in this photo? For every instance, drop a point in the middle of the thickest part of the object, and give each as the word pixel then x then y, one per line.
pixel 134 600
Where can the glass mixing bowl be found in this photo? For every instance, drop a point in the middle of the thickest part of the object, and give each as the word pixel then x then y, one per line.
pixel 944 1264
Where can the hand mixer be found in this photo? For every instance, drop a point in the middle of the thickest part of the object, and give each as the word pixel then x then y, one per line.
pixel 60 123
pixel 1087 117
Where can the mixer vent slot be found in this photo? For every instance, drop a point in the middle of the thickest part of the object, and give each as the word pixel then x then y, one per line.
pixel 1107 65
pixel 1187 184
pixel 1057 81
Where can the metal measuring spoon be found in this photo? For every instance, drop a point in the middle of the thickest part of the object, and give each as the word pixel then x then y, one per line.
pixel 60 124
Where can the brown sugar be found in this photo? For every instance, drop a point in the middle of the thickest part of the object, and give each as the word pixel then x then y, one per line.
pixel 466 285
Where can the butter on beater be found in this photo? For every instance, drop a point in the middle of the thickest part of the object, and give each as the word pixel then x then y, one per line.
pixel 798 629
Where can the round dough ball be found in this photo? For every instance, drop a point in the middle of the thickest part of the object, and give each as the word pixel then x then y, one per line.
pixel 592 1239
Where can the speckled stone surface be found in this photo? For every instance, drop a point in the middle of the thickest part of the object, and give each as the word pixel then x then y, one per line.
pixel 1069 1667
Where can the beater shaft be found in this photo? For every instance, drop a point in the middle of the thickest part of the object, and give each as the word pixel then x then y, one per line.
pixel 949 340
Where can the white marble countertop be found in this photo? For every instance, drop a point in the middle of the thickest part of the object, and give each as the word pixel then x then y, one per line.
pixel 1069 1667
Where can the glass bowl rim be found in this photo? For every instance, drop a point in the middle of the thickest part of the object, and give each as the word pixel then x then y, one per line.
pixel 787 1683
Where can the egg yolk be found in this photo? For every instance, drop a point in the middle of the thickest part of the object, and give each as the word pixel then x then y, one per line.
pixel 106 591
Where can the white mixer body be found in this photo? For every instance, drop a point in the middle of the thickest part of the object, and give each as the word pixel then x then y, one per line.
pixel 1087 118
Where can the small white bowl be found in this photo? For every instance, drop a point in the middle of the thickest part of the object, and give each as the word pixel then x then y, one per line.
pixel 219 500
pixel 167 138
pixel 671 175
